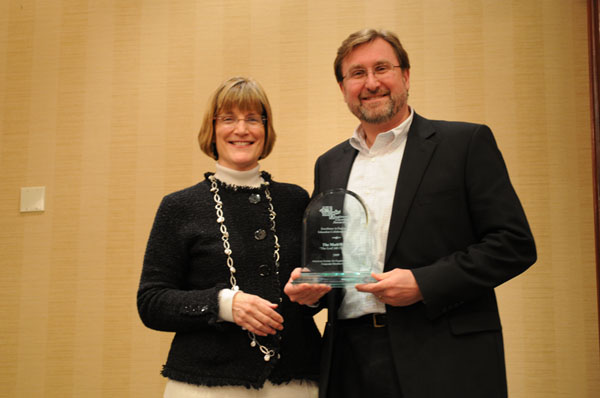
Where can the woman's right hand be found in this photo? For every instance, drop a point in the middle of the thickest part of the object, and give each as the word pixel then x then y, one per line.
pixel 256 314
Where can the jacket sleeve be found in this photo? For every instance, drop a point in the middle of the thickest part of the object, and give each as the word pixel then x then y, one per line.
pixel 503 244
pixel 164 303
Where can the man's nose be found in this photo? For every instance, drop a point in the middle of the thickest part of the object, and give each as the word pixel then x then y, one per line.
pixel 371 82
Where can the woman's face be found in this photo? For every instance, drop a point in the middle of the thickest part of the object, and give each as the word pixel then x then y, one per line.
pixel 240 138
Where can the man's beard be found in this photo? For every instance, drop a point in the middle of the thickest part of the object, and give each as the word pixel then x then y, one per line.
pixel 382 114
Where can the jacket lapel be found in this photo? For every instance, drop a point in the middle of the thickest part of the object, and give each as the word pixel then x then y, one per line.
pixel 419 148
pixel 344 166
pixel 335 172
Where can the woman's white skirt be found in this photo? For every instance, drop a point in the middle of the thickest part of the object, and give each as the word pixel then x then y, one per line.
pixel 293 389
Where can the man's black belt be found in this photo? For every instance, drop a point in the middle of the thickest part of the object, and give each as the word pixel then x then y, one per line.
pixel 372 320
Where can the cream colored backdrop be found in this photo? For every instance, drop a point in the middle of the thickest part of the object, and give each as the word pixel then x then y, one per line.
pixel 100 102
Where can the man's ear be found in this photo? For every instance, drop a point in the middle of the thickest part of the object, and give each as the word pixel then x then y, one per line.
pixel 406 77
pixel 341 84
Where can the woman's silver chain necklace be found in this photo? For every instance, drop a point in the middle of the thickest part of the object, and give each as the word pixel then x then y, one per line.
pixel 268 353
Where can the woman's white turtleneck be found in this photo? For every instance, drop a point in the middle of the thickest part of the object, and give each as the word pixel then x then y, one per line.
pixel 249 178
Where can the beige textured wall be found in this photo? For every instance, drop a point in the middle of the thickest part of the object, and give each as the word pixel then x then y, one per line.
pixel 100 102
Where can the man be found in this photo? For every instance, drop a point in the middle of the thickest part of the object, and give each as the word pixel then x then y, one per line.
pixel 449 229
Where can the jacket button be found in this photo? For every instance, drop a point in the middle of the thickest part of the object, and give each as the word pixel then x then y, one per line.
pixel 264 270
pixel 260 234
pixel 254 198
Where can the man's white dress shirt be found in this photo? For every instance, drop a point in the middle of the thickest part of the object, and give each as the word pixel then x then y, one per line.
pixel 373 177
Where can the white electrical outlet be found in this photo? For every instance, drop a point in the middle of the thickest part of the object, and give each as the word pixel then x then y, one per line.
pixel 33 199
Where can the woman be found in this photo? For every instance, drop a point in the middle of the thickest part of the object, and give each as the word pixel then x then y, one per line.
pixel 217 259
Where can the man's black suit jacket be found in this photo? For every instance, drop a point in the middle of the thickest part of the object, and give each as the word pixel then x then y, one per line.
pixel 457 223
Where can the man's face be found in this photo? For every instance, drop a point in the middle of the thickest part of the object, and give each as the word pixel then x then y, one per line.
pixel 377 99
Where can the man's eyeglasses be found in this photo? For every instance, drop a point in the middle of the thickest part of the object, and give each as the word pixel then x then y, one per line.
pixel 379 71
pixel 252 121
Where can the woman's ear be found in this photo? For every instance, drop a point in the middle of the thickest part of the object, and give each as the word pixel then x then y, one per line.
pixel 213 146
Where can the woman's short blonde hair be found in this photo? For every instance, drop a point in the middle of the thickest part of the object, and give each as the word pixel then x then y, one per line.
pixel 244 94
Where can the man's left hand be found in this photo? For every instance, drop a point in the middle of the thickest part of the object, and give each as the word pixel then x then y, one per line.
pixel 397 287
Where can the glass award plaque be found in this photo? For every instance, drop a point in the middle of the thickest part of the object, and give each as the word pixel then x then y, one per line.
pixel 337 246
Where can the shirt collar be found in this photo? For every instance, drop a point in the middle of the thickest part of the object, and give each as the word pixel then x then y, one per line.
pixel 384 141
pixel 249 178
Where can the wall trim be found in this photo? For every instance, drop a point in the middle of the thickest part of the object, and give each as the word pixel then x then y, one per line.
pixel 594 56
